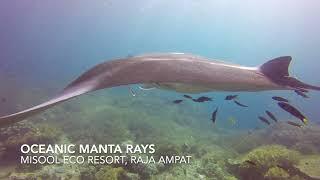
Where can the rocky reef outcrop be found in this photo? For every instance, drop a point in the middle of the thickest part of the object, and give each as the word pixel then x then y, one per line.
pixel 270 162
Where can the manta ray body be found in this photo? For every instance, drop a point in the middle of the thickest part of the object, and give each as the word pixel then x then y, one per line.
pixel 173 71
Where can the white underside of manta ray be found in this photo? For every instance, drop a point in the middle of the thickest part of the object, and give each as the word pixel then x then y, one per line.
pixel 173 71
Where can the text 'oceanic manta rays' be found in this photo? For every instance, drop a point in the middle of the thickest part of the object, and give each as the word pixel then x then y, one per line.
pixel 174 71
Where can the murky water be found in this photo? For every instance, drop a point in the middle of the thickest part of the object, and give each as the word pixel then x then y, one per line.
pixel 45 45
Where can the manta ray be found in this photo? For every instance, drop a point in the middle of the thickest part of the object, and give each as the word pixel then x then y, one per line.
pixel 173 71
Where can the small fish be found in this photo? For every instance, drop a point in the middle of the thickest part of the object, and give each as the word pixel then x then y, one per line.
pixel 280 99
pixel 232 121
pixel 202 99
pixel 301 94
pixel 250 162
pixel 293 111
pixel 230 97
pixel 239 104
pixel 264 120
pixel 214 115
pixel 271 116
pixel 177 101
pixel 187 96
pixel 3 99
pixel 294 124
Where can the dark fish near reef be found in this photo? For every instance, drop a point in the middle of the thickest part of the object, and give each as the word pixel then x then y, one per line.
pixel 250 162
pixel 301 94
pixel 293 111
pixel 202 99
pixel 294 124
pixel 230 97
pixel 187 96
pixel 177 101
pixel 271 116
pixel 176 72
pixel 232 121
pixel 239 104
pixel 280 99
pixel 214 115
pixel 264 120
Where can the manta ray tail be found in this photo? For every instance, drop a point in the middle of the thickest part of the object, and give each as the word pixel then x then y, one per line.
pixel 277 70
pixel 68 93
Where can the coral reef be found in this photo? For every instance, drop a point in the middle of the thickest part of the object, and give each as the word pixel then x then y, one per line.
pixel 305 139
pixel 144 170
pixel 51 172
pixel 309 164
pixel 88 172
pixel 213 164
pixel 269 162
pixel 23 133
pixel 6 171
pixel 109 173
pixel 271 155
pixel 181 172
pixel 276 173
